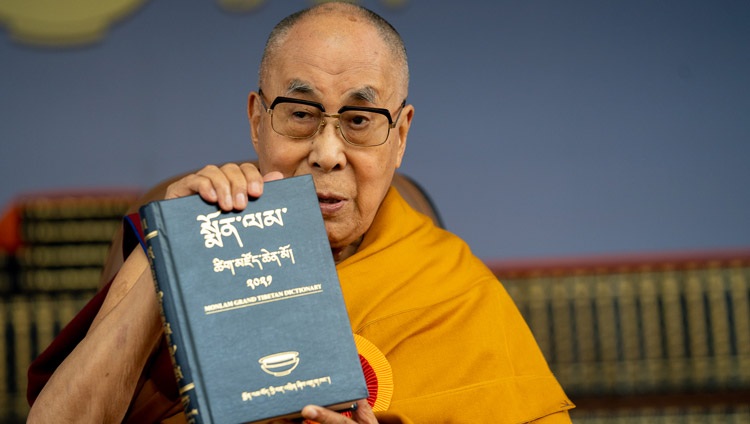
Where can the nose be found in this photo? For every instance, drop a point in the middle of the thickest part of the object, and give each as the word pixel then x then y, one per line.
pixel 328 151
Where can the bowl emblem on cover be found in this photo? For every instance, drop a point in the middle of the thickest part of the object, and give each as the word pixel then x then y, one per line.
pixel 279 364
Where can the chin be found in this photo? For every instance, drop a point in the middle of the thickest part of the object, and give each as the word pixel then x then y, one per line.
pixel 339 241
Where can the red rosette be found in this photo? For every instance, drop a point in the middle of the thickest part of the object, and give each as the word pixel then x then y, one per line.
pixel 378 375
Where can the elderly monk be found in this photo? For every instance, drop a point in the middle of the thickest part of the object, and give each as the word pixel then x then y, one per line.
pixel 331 103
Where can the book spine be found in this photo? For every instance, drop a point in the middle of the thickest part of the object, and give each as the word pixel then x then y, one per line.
pixel 538 317
pixel 606 319
pixel 6 282
pixel 7 268
pixel 5 353
pixel 585 334
pixel 67 305
pixel 63 255
pixel 698 337
pixel 631 370
pixel 667 330
pixel 739 292
pixel 77 206
pixel 69 231
pixel 675 332
pixel 562 333
pixel 173 315
pixel 61 279
pixel 22 349
pixel 721 349
pixel 652 331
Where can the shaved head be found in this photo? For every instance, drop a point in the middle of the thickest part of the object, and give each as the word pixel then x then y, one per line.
pixel 344 10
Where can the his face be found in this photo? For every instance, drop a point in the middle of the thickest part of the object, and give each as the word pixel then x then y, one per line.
pixel 336 62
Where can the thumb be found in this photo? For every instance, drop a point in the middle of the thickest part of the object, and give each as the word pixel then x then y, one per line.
pixel 273 176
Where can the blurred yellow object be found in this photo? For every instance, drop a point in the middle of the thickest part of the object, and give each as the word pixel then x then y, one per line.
pixel 63 22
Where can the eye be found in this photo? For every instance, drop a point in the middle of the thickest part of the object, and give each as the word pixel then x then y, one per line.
pixel 297 112
pixel 356 120
pixel 302 114
pixel 360 120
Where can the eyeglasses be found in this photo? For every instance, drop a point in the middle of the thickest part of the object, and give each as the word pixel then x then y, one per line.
pixel 359 125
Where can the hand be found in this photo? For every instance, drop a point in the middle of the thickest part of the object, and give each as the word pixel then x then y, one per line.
pixel 228 185
pixel 362 414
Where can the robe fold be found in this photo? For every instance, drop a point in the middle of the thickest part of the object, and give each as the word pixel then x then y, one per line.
pixel 458 349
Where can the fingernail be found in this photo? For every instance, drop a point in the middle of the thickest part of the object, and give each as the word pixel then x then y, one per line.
pixel 228 200
pixel 212 194
pixel 254 187
pixel 240 200
pixel 310 412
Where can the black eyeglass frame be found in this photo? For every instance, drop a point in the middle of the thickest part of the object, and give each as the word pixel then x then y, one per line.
pixel 385 112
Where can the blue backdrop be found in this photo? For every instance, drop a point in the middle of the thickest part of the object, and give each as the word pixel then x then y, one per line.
pixel 542 128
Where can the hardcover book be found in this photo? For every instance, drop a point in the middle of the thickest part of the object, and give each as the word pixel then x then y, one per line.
pixel 252 305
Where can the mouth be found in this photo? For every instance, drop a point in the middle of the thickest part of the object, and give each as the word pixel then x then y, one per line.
pixel 330 203
pixel 329 198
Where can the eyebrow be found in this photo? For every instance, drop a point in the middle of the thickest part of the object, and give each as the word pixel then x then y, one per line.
pixel 366 93
pixel 297 86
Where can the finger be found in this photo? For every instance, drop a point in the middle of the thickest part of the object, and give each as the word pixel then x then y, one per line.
pixel 363 413
pixel 210 183
pixel 220 184
pixel 239 180
pixel 324 416
pixel 199 182
pixel 273 176
pixel 253 179
pixel 191 184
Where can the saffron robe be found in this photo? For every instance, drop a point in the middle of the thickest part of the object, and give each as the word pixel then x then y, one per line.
pixel 457 346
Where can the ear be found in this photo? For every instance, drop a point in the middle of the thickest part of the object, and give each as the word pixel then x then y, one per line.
pixel 402 128
pixel 254 113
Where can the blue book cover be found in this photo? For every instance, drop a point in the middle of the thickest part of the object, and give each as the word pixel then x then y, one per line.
pixel 252 305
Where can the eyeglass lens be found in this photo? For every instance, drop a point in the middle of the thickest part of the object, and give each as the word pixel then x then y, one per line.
pixel 302 121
